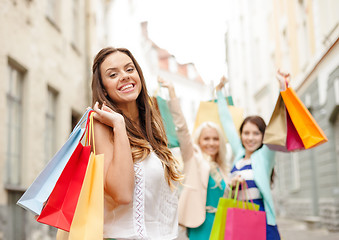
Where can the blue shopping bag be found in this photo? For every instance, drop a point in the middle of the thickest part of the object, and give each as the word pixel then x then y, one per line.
pixel 38 192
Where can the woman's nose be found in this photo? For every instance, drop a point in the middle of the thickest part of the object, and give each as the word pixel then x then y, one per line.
pixel 124 75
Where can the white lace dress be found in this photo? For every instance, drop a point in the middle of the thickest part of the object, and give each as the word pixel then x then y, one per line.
pixel 153 214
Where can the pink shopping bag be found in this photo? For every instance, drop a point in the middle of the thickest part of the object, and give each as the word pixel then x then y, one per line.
pixel 245 224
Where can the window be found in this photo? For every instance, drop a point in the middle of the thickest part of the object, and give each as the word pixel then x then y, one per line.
pixel 191 72
pixel 50 119
pixel 295 172
pixel 173 65
pixel 16 216
pixel 76 27
pixel 303 41
pixel 14 125
pixel 51 11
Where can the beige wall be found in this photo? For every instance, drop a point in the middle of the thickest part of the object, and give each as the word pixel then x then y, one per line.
pixel 50 58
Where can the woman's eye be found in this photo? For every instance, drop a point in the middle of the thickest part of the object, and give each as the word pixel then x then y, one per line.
pixel 130 69
pixel 112 74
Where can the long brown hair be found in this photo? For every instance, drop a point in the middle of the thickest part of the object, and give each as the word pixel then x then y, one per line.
pixel 151 134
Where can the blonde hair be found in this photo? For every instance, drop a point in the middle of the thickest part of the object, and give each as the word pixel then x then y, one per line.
pixel 220 159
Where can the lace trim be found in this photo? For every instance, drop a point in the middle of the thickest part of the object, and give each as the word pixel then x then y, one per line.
pixel 138 202
pixel 167 208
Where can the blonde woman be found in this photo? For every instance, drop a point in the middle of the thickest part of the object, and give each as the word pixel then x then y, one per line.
pixel 204 170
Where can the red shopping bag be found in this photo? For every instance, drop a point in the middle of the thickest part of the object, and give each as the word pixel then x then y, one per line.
pixel 88 221
pixel 60 206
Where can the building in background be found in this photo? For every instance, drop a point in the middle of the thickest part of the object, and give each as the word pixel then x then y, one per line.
pixel 250 56
pixel 45 64
pixel 189 86
pixel 46 54
pixel 307 43
pixel 126 28
pixel 300 37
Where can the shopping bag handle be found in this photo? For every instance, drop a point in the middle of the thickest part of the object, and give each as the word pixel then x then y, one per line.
pixel 245 194
pixel 91 131
pixel 82 120
pixel 87 128
pixel 235 194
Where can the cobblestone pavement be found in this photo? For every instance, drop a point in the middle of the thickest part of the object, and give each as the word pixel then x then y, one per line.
pixel 297 230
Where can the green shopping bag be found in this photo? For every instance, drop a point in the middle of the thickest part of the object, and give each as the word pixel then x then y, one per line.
pixel 218 228
pixel 168 122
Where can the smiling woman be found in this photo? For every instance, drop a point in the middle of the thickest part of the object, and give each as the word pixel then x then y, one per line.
pixel 204 168
pixel 140 173
pixel 121 82
pixel 253 161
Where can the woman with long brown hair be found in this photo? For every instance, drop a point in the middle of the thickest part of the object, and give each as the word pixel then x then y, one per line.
pixel 140 173
pixel 253 161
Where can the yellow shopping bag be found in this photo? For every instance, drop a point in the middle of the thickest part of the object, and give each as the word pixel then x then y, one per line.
pixel 208 111
pixel 309 131
pixel 88 220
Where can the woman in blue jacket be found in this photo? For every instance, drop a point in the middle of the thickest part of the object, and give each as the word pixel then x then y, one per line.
pixel 253 161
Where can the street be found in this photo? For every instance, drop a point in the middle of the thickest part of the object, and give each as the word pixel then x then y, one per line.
pixel 296 230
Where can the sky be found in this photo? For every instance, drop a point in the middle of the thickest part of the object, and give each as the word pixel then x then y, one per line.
pixel 191 30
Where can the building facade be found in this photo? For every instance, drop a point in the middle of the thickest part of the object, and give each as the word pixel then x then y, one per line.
pixel 308 44
pixel 301 37
pixel 45 58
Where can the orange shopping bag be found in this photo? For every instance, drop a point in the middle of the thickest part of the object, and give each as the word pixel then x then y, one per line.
pixel 309 131
pixel 280 133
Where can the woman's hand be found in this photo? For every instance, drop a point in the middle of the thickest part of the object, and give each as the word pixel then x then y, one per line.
pixel 221 84
pixel 107 116
pixel 283 79
pixel 167 84
pixel 237 179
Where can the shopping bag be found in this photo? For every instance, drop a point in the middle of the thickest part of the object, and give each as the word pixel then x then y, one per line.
pixel 88 218
pixel 293 140
pixel 280 133
pixel 168 122
pixel 243 223
pixel 219 223
pixel 90 208
pixel 308 129
pixel 208 111
pixel 60 206
pixel 38 192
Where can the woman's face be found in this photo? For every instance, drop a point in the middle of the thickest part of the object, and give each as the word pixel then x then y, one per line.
pixel 251 137
pixel 209 141
pixel 120 78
